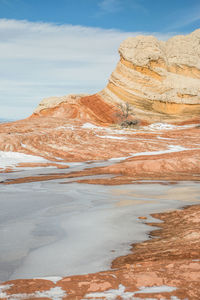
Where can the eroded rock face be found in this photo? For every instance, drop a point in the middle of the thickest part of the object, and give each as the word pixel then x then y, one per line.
pixel 77 107
pixel 158 77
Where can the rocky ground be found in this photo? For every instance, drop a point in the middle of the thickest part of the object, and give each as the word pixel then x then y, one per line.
pixel 149 152
pixel 165 267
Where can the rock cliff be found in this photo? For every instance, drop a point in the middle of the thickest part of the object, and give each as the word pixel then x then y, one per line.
pixel 160 79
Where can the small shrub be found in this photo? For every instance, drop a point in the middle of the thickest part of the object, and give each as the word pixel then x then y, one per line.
pixel 124 114
pixel 129 123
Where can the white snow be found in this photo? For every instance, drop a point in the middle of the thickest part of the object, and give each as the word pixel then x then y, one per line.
pixel 111 137
pixel 171 149
pixel 11 159
pixel 4 288
pixel 160 126
pixel 89 126
pixel 195 259
pixel 54 293
pixel 120 158
pixel 113 294
pixel 162 138
pixel 156 289
pixel 54 279
pixel 166 126
pixel 65 127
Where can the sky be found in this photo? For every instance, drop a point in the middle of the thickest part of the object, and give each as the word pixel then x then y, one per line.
pixel 59 47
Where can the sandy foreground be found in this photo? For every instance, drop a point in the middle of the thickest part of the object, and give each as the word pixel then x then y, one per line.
pixel 165 267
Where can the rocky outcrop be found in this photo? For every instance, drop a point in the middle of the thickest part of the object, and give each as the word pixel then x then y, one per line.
pixel 80 107
pixel 52 102
pixel 160 79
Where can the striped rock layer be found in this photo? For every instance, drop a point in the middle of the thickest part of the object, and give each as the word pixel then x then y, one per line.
pixel 161 79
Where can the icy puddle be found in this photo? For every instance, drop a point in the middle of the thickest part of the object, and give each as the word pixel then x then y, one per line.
pixel 53 229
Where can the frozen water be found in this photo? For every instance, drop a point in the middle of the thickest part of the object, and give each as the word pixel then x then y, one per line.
pixel 49 229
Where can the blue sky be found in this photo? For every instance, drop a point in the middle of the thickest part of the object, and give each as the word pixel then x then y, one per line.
pixel 126 15
pixel 52 48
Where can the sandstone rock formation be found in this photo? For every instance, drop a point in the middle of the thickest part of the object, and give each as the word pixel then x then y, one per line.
pixel 158 77
pixel 160 80
pixel 80 107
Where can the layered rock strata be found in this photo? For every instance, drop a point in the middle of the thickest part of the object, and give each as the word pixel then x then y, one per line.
pixel 79 107
pixel 145 153
pixel 161 79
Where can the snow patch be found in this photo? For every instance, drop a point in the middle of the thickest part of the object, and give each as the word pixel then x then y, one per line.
pixel 195 259
pixel 111 137
pixel 10 159
pixel 157 289
pixel 166 126
pixel 54 293
pixel 113 294
pixel 171 149
pixel 120 158
pixel 89 126
pixel 4 288
pixel 65 127
pixel 160 126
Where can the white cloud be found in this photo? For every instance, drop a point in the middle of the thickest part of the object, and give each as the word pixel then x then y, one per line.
pixel 113 6
pixel 183 18
pixel 110 6
pixel 40 60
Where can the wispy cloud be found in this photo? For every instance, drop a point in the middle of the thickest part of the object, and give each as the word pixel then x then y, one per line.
pixel 113 6
pixel 110 6
pixel 39 60
pixel 183 18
